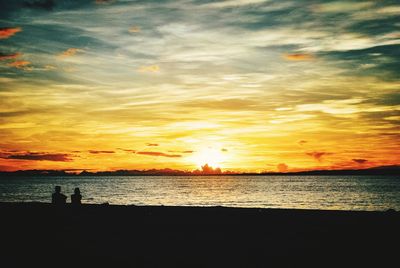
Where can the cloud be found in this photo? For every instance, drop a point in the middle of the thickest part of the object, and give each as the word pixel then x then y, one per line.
pixel 149 69
pixel 360 161
pixel 282 167
pixel 6 80
pixel 334 107
pixel 317 155
pixel 49 67
pixel 40 4
pixel 234 3
pixel 20 64
pixel 341 6
pixel 40 157
pixel 389 10
pixel 159 154
pixel 100 152
pixel 152 144
pixel 69 52
pixel 134 29
pixel 103 2
pixel 10 56
pixel 224 104
pixel 301 142
pixel 298 56
pixel 8 32
pixel 127 150
pixel 182 152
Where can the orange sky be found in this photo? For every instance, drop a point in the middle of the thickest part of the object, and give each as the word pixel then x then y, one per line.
pixel 107 85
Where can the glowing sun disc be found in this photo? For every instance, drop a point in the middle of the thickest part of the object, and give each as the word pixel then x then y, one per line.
pixel 210 156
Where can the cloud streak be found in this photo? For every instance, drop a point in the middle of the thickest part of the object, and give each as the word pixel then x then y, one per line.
pixel 40 4
pixel 10 56
pixel 8 32
pixel 152 144
pixel 317 155
pixel 69 52
pixel 104 2
pixel 100 152
pixel 134 29
pixel 20 64
pixel 149 69
pixel 298 57
pixel 360 160
pixel 160 154
pixel 57 157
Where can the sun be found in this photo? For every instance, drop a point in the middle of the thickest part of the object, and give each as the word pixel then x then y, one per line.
pixel 211 156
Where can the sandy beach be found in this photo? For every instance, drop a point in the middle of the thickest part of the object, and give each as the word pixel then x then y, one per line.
pixel 39 234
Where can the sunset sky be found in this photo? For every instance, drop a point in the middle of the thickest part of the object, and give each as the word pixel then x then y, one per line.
pixel 246 85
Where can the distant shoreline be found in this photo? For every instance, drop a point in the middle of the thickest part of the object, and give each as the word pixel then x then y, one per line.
pixel 376 171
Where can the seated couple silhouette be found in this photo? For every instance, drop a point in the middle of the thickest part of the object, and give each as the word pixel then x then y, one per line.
pixel 58 198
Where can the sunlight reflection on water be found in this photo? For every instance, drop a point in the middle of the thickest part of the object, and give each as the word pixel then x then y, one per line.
pixel 311 192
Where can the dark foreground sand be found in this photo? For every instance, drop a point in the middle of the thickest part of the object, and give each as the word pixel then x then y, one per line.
pixel 40 235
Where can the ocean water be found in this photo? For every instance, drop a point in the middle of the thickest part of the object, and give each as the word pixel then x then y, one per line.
pixel 309 192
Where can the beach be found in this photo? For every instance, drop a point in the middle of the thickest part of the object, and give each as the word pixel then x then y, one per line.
pixel 40 234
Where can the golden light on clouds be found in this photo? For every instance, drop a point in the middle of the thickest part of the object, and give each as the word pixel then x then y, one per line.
pixel 298 56
pixel 69 52
pixel 20 64
pixel 106 85
pixel 134 29
pixel 149 69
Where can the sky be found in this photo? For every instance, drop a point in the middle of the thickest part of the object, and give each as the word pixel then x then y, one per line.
pixel 245 85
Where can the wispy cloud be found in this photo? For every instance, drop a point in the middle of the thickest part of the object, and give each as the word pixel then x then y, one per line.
pixel 134 29
pixel 40 4
pixel 282 167
pixel 342 6
pixel 127 150
pixel 317 155
pixel 102 2
pixel 233 3
pixel 302 142
pixel 69 52
pixel 8 32
pixel 159 154
pixel 10 56
pixel 149 69
pixel 40 157
pixel 298 56
pixel 360 160
pixel 182 152
pixel 20 64
pixel 152 144
pixel 100 152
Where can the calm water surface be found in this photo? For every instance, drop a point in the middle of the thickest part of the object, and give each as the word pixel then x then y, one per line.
pixel 311 192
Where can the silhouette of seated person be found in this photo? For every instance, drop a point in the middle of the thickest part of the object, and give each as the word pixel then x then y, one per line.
pixel 76 197
pixel 58 198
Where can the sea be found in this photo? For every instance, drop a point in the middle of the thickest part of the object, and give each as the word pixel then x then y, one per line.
pixel 372 193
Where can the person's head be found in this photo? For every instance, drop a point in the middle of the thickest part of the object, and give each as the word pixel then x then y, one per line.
pixel 57 189
pixel 77 191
